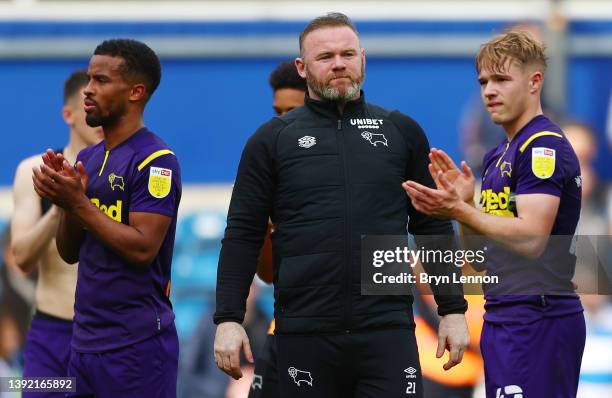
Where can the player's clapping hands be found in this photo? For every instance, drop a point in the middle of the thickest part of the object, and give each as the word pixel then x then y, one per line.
pixel 54 160
pixel 58 181
pixel 454 187
pixel 463 180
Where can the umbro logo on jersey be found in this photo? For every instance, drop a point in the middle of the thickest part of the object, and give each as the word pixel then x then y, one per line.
pixel 367 123
pixel 307 141
pixel 257 382
pixel 578 181
pixel 375 138
pixel 410 372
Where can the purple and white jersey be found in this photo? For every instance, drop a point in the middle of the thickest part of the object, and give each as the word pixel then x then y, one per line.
pixel 538 160
pixel 117 303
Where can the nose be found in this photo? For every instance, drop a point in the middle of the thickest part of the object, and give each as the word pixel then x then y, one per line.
pixel 339 63
pixel 88 89
pixel 489 90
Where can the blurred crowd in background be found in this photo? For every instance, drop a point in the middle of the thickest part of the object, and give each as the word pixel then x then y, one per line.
pixel 201 227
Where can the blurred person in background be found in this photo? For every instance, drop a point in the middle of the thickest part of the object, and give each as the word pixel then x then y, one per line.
pixel 33 228
pixel 608 151
pixel 596 370
pixel 331 340
pixel 593 219
pixel 289 89
pixel 198 375
pixel 10 345
pixel 609 123
pixel 256 325
pixel 17 289
pixel 16 301
pixel 120 204
pixel 534 329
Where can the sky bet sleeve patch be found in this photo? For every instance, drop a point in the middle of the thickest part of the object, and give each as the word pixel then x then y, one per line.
pixel 543 162
pixel 160 182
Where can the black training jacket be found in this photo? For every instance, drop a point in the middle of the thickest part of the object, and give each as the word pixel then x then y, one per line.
pixel 325 180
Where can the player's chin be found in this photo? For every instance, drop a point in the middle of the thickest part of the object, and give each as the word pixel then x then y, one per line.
pixel 93 120
pixel 340 84
pixel 497 118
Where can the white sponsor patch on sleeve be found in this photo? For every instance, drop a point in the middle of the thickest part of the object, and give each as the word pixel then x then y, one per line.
pixel 543 162
pixel 160 181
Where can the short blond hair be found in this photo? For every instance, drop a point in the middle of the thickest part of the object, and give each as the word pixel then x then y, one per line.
pixel 514 45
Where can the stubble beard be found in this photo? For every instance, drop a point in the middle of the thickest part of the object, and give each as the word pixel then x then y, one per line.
pixel 94 121
pixel 112 118
pixel 325 92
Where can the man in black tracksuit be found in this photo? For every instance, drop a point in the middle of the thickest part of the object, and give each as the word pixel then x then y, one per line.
pixel 326 174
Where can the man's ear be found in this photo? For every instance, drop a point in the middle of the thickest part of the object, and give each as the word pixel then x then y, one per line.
pixel 138 92
pixel 301 67
pixel 535 81
pixel 67 115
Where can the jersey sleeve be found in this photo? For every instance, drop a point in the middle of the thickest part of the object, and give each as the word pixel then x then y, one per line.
pixel 541 165
pixel 156 187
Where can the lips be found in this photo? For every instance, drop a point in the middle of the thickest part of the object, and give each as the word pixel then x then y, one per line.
pixel 89 104
pixel 339 77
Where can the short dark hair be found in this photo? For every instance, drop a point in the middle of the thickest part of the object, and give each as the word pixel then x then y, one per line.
pixel 286 76
pixel 139 60
pixel 329 20
pixel 75 82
